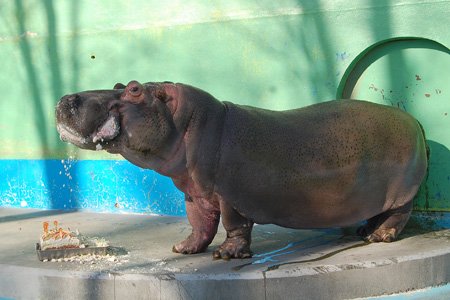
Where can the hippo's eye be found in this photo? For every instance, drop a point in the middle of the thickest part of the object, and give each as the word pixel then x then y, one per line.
pixel 135 91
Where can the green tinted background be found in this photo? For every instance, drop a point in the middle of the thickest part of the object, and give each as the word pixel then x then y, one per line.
pixel 271 54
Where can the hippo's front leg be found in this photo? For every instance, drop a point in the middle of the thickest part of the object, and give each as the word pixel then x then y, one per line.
pixel 204 219
pixel 239 229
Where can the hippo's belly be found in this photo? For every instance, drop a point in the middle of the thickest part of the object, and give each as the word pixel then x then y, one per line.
pixel 314 200
pixel 328 165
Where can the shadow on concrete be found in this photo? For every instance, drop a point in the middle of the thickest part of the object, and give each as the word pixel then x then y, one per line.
pixel 33 215
pixel 425 222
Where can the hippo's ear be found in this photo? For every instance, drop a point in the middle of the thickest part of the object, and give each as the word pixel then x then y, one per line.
pixel 164 96
pixel 119 86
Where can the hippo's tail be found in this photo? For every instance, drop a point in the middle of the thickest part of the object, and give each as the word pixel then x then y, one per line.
pixel 427 148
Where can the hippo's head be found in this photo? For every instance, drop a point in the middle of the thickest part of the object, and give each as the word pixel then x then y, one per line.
pixel 137 118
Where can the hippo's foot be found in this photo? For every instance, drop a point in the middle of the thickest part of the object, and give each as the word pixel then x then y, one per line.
pixel 382 235
pixel 386 226
pixel 204 220
pixel 379 235
pixel 233 247
pixel 193 244
pixel 239 229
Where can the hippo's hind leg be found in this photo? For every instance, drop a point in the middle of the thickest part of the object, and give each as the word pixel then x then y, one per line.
pixel 239 229
pixel 386 226
pixel 204 219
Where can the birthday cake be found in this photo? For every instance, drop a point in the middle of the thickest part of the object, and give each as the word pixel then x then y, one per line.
pixel 58 238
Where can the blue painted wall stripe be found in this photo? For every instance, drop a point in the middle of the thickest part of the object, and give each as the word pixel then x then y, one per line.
pixel 96 185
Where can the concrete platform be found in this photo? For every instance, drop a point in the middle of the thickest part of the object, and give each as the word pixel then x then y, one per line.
pixel 288 264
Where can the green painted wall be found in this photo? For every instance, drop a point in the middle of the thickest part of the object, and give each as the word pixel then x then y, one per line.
pixel 273 54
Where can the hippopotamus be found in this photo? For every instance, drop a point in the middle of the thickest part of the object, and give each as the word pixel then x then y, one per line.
pixel 330 164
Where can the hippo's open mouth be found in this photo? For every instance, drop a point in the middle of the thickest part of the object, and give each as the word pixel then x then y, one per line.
pixel 107 131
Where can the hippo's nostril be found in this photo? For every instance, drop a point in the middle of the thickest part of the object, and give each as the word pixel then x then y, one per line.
pixel 73 101
pixel 73 98
pixel 70 98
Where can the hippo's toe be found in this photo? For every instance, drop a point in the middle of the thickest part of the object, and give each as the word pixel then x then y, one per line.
pixel 191 245
pixel 382 235
pixel 236 247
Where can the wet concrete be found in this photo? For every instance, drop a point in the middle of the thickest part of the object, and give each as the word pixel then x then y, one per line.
pixel 287 263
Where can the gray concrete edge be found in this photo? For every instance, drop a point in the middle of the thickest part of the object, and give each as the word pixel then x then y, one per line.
pixel 327 282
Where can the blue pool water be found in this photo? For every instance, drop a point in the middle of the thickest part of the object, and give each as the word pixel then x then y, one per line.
pixel 433 293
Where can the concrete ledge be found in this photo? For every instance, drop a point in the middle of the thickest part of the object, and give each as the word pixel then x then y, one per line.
pixel 288 264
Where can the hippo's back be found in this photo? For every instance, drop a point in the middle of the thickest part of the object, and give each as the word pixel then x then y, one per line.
pixel 310 163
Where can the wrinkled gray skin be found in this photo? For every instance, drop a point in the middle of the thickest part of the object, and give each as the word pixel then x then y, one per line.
pixel 326 165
